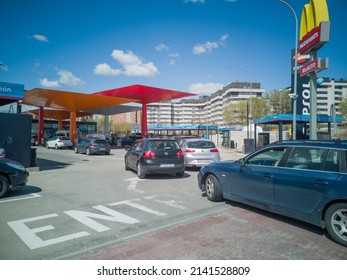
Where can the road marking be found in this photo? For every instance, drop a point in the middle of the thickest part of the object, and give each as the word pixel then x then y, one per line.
pixel 133 183
pixel 29 237
pixel 132 203
pixel 114 216
pixel 30 196
pixel 171 203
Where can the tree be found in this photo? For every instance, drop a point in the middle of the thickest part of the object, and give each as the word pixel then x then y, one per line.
pixel 236 113
pixel 279 101
pixel 343 109
pixel 259 108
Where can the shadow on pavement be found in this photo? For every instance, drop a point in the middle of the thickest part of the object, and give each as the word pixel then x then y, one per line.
pixel 45 164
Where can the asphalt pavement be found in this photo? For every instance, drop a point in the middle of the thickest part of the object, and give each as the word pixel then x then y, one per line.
pixel 239 233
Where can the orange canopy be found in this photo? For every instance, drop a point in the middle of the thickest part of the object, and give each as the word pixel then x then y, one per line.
pixel 70 101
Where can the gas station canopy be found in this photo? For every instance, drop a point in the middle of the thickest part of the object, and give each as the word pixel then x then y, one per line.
pixel 69 101
pixel 145 94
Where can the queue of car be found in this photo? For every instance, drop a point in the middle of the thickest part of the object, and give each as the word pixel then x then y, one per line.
pixel 304 180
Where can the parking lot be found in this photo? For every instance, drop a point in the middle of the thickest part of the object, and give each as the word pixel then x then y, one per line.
pixel 89 207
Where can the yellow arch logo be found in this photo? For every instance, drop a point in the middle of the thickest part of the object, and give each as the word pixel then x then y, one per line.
pixel 312 15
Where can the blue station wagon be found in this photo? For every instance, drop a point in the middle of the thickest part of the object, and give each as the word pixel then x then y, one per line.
pixel 304 180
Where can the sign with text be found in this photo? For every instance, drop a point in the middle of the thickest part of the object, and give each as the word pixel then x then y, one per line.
pixel 11 91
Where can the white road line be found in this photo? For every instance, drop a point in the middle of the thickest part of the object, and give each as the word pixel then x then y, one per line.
pixel 30 196
pixel 133 184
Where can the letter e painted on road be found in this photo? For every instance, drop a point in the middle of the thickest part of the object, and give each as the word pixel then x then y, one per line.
pixel 30 237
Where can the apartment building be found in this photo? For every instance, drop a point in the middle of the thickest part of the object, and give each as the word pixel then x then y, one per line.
pixel 203 109
pixel 209 109
pixel 329 94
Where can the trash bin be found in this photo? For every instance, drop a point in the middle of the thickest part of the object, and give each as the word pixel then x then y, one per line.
pixel 232 144
pixel 248 145
pixel 33 162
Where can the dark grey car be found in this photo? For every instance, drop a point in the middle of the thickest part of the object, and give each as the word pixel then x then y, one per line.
pixel 155 156
pixel 92 146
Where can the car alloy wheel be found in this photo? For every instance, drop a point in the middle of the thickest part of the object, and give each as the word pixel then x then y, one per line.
pixel 139 170
pixel 336 222
pixel 4 185
pixel 213 189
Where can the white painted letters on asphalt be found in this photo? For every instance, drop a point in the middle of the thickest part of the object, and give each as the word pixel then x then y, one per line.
pixel 31 238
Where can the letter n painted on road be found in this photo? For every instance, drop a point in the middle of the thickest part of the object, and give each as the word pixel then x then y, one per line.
pixel 114 216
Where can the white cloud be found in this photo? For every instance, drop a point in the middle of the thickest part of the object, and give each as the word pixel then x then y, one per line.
pixel 209 46
pixel 65 78
pixel 162 47
pixel 132 65
pixel 40 38
pixel 69 79
pixel 203 48
pixel 207 88
pixel 46 83
pixel 106 70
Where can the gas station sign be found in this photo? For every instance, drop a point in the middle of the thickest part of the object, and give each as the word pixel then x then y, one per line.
pixel 11 91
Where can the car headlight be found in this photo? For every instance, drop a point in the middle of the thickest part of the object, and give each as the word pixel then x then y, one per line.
pixel 16 166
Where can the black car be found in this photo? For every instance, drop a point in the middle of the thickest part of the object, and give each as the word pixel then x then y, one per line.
pixel 92 146
pixel 155 156
pixel 304 180
pixel 13 175
pixel 129 141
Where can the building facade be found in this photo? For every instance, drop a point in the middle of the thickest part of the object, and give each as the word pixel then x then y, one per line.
pixel 209 109
pixel 329 95
pixel 204 109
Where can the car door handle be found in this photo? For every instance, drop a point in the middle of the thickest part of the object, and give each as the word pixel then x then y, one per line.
pixel 268 175
pixel 321 182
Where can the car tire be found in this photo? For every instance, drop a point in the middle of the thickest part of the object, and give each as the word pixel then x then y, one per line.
pixel 4 185
pixel 88 152
pixel 139 171
pixel 56 147
pixel 213 188
pixel 47 146
pixel 75 150
pixel 180 174
pixel 336 222
pixel 126 165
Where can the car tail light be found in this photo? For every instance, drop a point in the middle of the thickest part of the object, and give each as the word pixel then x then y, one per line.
pixel 59 140
pixel 189 151
pixel 214 150
pixel 92 145
pixel 179 153
pixel 148 154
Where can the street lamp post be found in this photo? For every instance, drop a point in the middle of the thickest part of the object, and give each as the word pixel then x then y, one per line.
pixel 294 95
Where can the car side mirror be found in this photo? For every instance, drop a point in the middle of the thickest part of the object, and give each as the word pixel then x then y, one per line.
pixel 242 161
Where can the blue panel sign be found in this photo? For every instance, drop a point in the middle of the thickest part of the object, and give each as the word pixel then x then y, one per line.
pixel 11 91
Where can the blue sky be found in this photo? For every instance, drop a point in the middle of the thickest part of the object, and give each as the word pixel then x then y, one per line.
pixel 189 45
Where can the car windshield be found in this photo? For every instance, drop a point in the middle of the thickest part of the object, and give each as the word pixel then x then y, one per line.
pixel 200 144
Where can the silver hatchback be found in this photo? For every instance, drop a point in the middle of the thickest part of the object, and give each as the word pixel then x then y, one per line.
pixel 199 152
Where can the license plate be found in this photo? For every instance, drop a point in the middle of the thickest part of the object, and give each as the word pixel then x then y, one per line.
pixel 204 161
pixel 102 149
pixel 167 165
